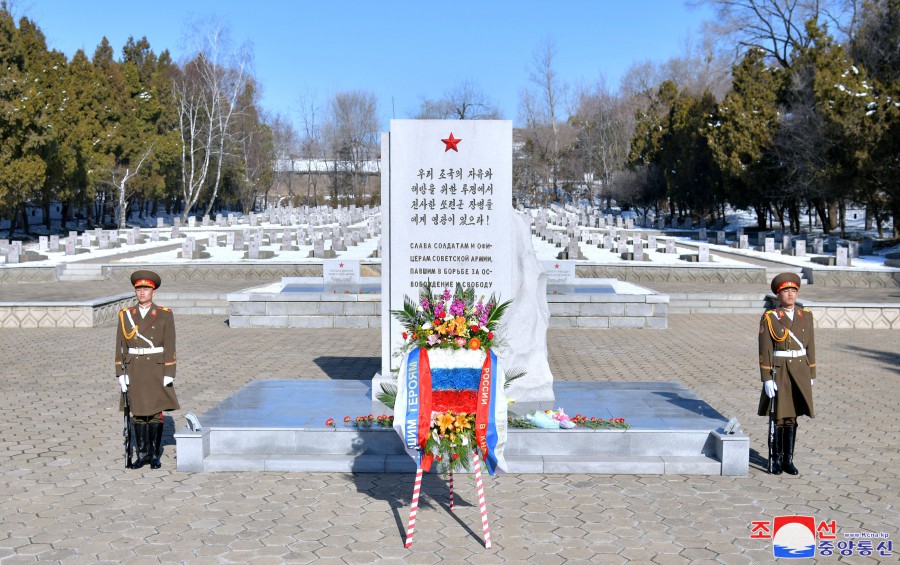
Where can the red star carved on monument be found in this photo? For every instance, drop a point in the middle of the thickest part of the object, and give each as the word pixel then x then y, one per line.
pixel 451 143
pixel 341 265
pixel 556 266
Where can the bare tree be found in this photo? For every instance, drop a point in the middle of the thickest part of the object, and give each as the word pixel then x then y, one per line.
pixel 465 101
pixel 778 27
pixel 351 132
pixel 120 175
pixel 311 145
pixel 284 144
pixel 206 94
pixel 549 100
pixel 605 123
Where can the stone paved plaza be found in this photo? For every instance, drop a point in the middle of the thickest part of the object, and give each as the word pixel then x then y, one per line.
pixel 67 498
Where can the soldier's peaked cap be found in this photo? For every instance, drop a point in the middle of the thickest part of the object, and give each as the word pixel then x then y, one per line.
pixel 145 278
pixel 785 280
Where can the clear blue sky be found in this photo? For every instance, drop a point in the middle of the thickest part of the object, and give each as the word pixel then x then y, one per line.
pixel 401 51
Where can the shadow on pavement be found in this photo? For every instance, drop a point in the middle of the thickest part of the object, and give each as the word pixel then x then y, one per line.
pixel 343 368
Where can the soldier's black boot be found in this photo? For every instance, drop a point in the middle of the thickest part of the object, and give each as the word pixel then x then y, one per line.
pixel 775 452
pixel 156 434
pixel 141 444
pixel 787 457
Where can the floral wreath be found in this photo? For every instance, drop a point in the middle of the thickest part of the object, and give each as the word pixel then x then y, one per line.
pixel 451 321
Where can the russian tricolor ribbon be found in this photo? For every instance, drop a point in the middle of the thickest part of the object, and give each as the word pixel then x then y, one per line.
pixel 486 434
pixel 417 419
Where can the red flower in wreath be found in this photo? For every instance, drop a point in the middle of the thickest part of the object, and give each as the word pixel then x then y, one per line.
pixel 490 335
pixel 404 334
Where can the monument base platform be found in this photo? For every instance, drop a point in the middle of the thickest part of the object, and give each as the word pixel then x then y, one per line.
pixel 279 425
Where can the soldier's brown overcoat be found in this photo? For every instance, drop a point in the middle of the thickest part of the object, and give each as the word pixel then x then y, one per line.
pixel 773 336
pixel 145 373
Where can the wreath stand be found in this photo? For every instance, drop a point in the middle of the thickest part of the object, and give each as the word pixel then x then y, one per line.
pixel 479 486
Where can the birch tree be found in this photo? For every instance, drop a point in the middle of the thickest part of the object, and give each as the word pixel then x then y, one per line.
pixel 206 94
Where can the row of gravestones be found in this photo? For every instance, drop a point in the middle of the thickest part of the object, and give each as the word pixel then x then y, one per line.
pixel 616 242
pixel 101 239
pixel 251 242
pixel 842 250
pixel 284 216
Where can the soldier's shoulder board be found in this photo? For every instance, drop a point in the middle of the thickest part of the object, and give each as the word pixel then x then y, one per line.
pixel 164 309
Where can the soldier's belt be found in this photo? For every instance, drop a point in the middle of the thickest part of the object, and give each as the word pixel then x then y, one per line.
pixel 144 350
pixel 791 354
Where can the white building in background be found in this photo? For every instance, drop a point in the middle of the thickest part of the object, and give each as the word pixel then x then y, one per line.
pixel 322 166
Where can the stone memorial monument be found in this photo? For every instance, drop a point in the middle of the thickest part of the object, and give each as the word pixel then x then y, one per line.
pixel 480 246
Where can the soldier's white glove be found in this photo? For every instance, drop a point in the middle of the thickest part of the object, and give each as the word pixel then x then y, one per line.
pixel 123 382
pixel 771 387
pixel 167 381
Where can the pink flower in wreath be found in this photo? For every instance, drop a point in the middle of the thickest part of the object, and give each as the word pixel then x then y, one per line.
pixel 460 342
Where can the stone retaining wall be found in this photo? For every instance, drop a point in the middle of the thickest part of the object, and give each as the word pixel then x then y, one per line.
pixel 267 310
pixel 257 271
pixel 19 273
pixel 658 273
pixel 63 314
pixel 609 311
pixel 850 278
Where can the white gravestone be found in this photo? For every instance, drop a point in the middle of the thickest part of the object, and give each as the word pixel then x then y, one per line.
pixel 54 243
pixel 743 243
pixel 670 246
pixel 842 258
pixel 703 251
pixel 638 248
pixel 559 273
pixel 770 245
pixel 800 248
pixel 340 273
pixel 818 246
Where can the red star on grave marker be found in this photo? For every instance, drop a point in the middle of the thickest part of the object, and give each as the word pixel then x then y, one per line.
pixel 341 265
pixel 451 143
pixel 556 266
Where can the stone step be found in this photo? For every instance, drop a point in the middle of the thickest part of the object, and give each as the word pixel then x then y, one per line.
pixel 82 272
pixel 376 463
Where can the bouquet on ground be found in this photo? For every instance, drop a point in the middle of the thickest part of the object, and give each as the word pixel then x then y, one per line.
pixel 450 320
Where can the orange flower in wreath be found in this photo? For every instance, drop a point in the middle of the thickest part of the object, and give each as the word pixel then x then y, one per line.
pixel 474 343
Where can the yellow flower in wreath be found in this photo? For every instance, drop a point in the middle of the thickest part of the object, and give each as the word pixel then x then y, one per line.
pixel 462 421
pixel 445 421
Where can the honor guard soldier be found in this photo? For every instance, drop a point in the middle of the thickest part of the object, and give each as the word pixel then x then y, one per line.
pixel 787 367
pixel 145 366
